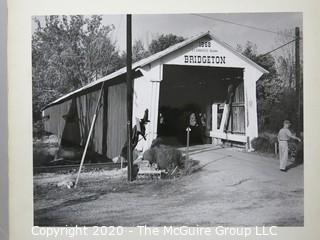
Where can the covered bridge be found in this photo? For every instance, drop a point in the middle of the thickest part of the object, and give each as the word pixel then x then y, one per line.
pixel 202 76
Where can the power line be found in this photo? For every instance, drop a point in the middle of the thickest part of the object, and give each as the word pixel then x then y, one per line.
pixel 277 48
pixel 241 25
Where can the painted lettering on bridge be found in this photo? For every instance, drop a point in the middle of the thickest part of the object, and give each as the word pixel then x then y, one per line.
pixel 204 59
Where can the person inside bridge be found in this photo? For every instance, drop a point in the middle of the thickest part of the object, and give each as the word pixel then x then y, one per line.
pixel 284 136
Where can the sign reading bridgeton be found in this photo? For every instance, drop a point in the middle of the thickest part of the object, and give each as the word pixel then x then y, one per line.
pixel 205 52
pixel 204 59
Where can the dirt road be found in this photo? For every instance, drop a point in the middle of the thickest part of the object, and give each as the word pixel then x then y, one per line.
pixel 233 188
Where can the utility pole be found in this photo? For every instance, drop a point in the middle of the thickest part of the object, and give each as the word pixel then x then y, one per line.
pixel 299 90
pixel 129 97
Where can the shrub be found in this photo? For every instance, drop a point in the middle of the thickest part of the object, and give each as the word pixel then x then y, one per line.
pixel 165 156
pixel 265 142
pixel 38 129
pixel 272 113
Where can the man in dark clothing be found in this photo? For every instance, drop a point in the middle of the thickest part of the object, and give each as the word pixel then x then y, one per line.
pixel 138 129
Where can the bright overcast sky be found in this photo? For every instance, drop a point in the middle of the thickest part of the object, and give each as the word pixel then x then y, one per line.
pixel 145 27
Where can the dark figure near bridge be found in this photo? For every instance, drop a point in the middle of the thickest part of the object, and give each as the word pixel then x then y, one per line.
pixel 137 130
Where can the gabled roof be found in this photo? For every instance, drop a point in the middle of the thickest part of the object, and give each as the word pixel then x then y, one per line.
pixel 243 57
pixel 150 59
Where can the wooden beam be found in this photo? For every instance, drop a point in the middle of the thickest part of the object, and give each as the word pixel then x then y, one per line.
pixel 228 136
pixel 214 117
pixel 224 119
pixel 89 135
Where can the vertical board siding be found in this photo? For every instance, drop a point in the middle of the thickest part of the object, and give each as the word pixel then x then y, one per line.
pixel 86 105
pixel 71 131
pixel 238 120
pixel 116 119
pixel 238 111
pixel 54 122
pixel 239 93
pixel 77 132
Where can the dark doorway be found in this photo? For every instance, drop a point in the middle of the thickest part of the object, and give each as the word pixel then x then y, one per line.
pixel 186 97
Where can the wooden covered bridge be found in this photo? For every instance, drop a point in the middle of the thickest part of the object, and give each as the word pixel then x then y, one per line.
pixel 201 71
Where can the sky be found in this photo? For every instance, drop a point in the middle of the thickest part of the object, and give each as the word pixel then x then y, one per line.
pixel 147 26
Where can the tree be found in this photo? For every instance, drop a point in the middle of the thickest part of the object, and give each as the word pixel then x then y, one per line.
pixel 286 58
pixel 69 52
pixel 138 51
pixel 158 44
pixel 286 63
pixel 275 98
pixel 163 42
pixel 268 86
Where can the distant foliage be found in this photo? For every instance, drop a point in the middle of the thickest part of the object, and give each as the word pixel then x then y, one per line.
pixel 286 59
pixel 138 51
pixel 163 42
pixel 276 99
pixel 69 52
pixel 157 44
pixel 265 142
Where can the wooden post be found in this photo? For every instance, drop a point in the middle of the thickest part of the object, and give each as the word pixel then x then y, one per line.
pixel 224 119
pixel 89 135
pixel 298 81
pixel 59 143
pixel 129 97
pixel 214 122
pixel 248 145
pixel 188 140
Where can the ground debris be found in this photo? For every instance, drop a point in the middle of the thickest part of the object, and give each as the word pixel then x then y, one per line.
pixel 239 182
pixel 65 184
pixel 262 198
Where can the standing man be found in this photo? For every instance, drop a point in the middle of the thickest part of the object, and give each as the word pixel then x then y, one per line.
pixel 284 136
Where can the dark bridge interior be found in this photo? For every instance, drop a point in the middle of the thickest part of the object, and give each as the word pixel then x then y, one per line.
pixel 186 97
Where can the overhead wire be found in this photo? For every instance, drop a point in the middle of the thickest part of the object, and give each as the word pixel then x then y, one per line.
pixel 262 55
pixel 251 27
pixel 241 25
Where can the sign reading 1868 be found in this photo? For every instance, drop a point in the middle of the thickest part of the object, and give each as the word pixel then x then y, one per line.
pixel 204 54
